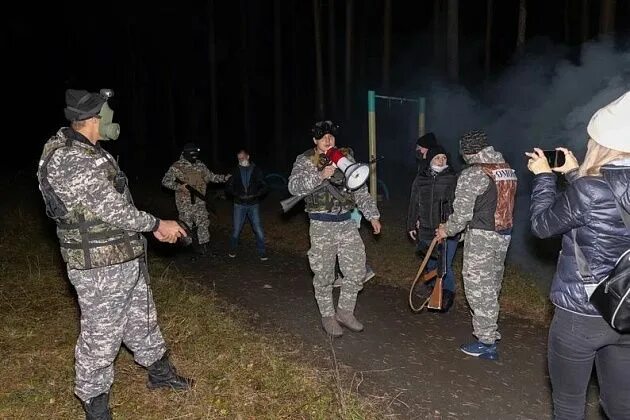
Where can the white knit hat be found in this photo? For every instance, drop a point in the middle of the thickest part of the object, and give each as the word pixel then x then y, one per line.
pixel 610 125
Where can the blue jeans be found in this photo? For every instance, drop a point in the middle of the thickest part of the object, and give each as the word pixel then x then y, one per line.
pixel 448 281
pixel 576 342
pixel 251 212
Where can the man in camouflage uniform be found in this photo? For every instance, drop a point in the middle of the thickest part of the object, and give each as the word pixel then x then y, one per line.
pixel 99 227
pixel 484 206
pixel 333 233
pixel 189 177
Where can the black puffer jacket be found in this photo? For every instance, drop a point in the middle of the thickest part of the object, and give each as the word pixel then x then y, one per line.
pixel 431 201
pixel 250 194
pixel 588 206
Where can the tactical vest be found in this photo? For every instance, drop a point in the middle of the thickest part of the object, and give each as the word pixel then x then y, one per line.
pixel 494 209
pixel 323 201
pixel 192 176
pixel 85 240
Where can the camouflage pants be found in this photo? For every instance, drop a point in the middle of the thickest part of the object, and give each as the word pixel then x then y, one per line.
pixel 113 303
pixel 484 259
pixel 195 215
pixel 329 241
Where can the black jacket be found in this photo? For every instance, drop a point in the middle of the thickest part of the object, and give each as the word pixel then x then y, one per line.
pixel 588 207
pixel 251 194
pixel 431 201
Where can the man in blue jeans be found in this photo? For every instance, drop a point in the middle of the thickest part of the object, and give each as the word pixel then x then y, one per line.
pixel 247 186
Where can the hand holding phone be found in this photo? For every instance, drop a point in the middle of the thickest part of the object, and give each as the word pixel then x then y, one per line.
pixel 566 163
pixel 555 158
pixel 537 162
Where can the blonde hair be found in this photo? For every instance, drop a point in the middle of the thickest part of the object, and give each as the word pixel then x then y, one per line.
pixel 596 157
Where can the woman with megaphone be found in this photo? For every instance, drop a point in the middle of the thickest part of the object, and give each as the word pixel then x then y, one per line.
pixel 332 185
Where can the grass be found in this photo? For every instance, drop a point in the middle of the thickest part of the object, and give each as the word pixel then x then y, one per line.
pixel 240 374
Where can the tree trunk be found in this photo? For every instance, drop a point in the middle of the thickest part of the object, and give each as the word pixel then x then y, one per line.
pixel 214 112
pixel 567 32
pixel 296 75
pixel 522 24
pixel 348 66
pixel 607 17
pixel 487 63
pixel 171 112
pixel 332 54
pixel 277 58
pixel 438 51
pixel 137 102
pixel 245 75
pixel 387 42
pixel 584 24
pixel 318 59
pixel 453 40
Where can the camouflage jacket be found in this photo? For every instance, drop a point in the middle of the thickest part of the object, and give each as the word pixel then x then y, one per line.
pixel 305 176
pixel 197 175
pixel 473 182
pixel 87 195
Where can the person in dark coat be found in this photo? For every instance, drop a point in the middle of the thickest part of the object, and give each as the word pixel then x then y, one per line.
pixel 430 203
pixel 587 215
pixel 246 186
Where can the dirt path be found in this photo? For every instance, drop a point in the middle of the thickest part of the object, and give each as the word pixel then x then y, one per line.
pixel 410 362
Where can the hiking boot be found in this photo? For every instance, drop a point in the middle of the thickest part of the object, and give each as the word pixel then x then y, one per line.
pixel 448 297
pixel 481 350
pixel 200 249
pixel 162 374
pixel 347 319
pixel 369 274
pixel 97 408
pixel 331 326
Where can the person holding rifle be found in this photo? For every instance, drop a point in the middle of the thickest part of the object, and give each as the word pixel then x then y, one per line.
pixel 430 204
pixel 188 177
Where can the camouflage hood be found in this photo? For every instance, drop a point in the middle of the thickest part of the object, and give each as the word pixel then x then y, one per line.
pixel 487 155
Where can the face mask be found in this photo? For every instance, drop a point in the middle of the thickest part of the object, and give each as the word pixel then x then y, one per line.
pixel 107 129
pixel 191 157
pixel 438 169
pixel 243 162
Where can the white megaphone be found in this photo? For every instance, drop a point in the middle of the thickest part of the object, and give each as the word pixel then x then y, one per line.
pixel 356 174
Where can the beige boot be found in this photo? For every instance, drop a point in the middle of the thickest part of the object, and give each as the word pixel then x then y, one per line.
pixel 347 319
pixel 331 326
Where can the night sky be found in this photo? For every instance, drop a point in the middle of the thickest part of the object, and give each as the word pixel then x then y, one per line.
pixel 156 58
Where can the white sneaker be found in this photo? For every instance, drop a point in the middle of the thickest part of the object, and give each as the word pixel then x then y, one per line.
pixel 368 275
pixel 232 255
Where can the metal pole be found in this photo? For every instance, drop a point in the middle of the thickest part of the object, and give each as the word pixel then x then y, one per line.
pixel 421 117
pixel 372 142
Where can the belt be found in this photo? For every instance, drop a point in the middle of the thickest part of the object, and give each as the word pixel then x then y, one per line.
pixel 329 217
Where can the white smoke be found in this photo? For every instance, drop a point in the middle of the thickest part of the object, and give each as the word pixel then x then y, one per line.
pixel 543 100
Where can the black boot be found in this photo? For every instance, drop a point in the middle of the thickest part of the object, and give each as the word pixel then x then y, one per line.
pixel 200 249
pixel 448 298
pixel 162 374
pixel 97 408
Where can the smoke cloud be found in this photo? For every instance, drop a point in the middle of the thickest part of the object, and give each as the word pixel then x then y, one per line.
pixel 543 100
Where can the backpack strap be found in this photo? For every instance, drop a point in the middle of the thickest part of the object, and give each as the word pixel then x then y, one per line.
pixel 583 268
